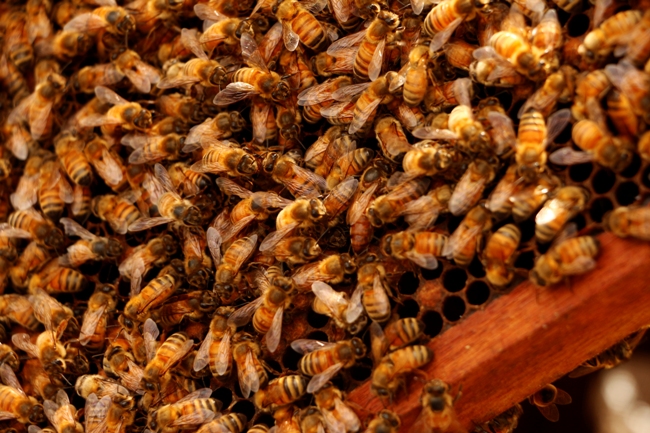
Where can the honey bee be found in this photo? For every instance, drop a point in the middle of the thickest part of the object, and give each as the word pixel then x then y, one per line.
pixel 46 349
pixel 621 113
pixel 419 247
pixel 444 18
pixel 470 187
pixel 413 77
pixel 15 84
pixel 330 270
pixel 95 320
pixel 18 41
pixel 62 414
pixel 438 414
pixel 142 258
pixel 320 96
pixel 90 247
pixel 428 158
pixel 500 253
pixel 38 382
pixel 566 204
pixel 113 19
pixel 323 154
pixel 384 422
pixel 600 42
pixel 459 53
pixel 222 126
pixel 546 97
pixel 101 386
pixel 54 191
pixel 148 14
pixel 505 422
pixel 257 205
pixel 346 312
pixel 388 207
pixel 632 83
pixel 227 275
pixel 300 25
pixel 117 211
pixel 311 420
pixel 628 221
pixel 337 415
pixel 466 239
pixel 324 360
pixel 30 223
pixel 593 85
pixel 107 415
pixel 295 250
pixel 55 278
pixel 254 80
pixel 280 392
pixel 284 169
pixel 350 164
pixel 69 148
pixel 215 348
pixel 124 115
pixel 422 213
pixel 388 374
pixel 374 93
pixel 192 306
pixel 225 31
pixel 166 356
pixel 189 412
pixel 16 404
pixel 19 309
pixel 65 45
pixel 546 399
pixel 302 213
pixel 106 163
pixel 396 335
pixel 222 157
pixel 391 138
pixel 565 257
pixel 8 357
pixel 229 423
pixel 250 372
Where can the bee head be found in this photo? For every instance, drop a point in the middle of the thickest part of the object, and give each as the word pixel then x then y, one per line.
pixel 36 414
pixel 247 165
pixel 218 76
pixel 114 248
pixel 192 216
pixel 282 91
pixel 358 347
pixel 54 238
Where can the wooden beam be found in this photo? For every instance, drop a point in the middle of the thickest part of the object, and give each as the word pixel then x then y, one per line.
pixel 532 337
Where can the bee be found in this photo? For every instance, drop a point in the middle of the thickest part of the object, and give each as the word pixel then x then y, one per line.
pixel 546 97
pixel 600 42
pixel 69 148
pixel 229 423
pixel 505 422
pixel 31 223
pixel 18 41
pixel 192 305
pixel 346 312
pixel 256 79
pixel 428 158
pixel 62 414
pixel 55 278
pixel 106 163
pixel 36 109
pixel 166 356
pixel 567 203
pixel 66 45
pixel 500 253
pixel 142 258
pixel 113 19
pixel 222 126
pixel 438 414
pixel 637 52
pixel 444 18
pixel 546 399
pixel 90 247
pixel 388 207
pixel 593 85
pixel 226 31
pixel 384 422
pixel 338 200
pixel 95 320
pixel 105 414
pixel 19 309
pixel 13 401
pixel 546 39
pixel 117 211
pixel 391 138
pixel 324 360
pixel 564 258
pixel 413 77
pixel 337 415
pixel 215 348
pixel 388 374
pixel 46 349
pixel 38 382
pixel 459 53
pixel 280 392
pixel 466 239
pixel 311 420
pixel 330 270
pixel 148 14
pixel 223 157
pixel 8 357
pixel 267 311
pixel 250 372
pixel 350 164
pixel 470 187
pixel 187 109
pixel 628 221
pixel 302 213
pixel 227 275
pixel 154 294
pixel 301 182
pixel 54 191
pixel 374 93
pixel 334 146
pixel 254 205
pixel 395 335
pixel 123 115
pixel 621 112
pixel 300 25
pixel 632 83
pixel 187 413
pixel 295 250
pixel 421 248
pixel 422 213
pixel 101 386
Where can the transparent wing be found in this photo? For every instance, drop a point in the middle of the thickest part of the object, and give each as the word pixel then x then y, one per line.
pixel 425 261
pixel 359 206
pixel 306 345
pixel 247 248
pixel 38 119
pixel 147 223
pixel 462 90
pixel 234 92
pixel 429 133
pixel 378 341
pixel 89 325
pixel 374 67
pixel 85 22
pixel 251 53
pixel 334 300
pixel 346 42
pixel 249 380
pixel 202 358
pixel 550 412
pixel 9 378
pixel 362 116
pixel 200 416
pixel 568 156
pixel 355 306
pixel 244 314
pixel 223 354
pixel 73 228
pixel 291 38
pixel 502 132
pixel 320 379
pixel 259 117
pixel 441 38
pixel 214 242
pixel 206 12
pixel 108 96
pixel 272 239
pixel 198 394
pixel 275 331
pixel 556 123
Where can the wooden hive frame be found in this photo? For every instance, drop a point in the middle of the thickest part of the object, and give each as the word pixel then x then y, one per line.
pixel 532 337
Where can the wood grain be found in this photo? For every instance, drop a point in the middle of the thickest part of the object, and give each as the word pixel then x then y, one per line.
pixel 532 337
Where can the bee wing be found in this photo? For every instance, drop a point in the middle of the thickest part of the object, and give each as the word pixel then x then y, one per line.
pixel 107 96
pixel 332 422
pixel 96 410
pixel 223 354
pixel 420 214
pixel 562 397
pixel 85 23
pixel 141 78
pixel 600 7
pixel 355 306
pixel 374 67
pixel 316 94
pixel 198 394
pixel 234 92
pixel 26 194
pixel 362 116
pixel 206 12
pixel 244 314
pixel 466 193
pixel 486 53
pixel 200 416
pixel 178 355
pixel 417 6
pixel 230 231
pixel 381 296
pixel 150 334
pixel 290 38
pixel 346 93
pixel 550 412
pixel 275 331
pixel 214 242
pixel 89 325
pixel 378 341
pixel 429 133
pixel 38 119
pixel 400 79
pixel 202 357
pixel 359 206
pixel 10 232
pixel 568 156
pixel 271 199
pixel 251 53
pixel 108 168
pixel 73 228
pixel 500 195
pixel 502 130
pixel 441 38
pixel 347 416
pixel 341 9
pixel 10 415
pixel 462 88
pixel 132 376
pixel 556 123
pixel 249 380
pixel 306 345
pixel 9 378
pixel 259 117
pixel 344 191
pixel 147 223
pixel 272 239
pixel 346 42
pixel 179 80
pixel 248 247
pixel 271 40
pixel 334 300
pixel 50 408
pixel 18 142
pixel 320 379
pixel 578 266
pixel 459 239
pixel 425 261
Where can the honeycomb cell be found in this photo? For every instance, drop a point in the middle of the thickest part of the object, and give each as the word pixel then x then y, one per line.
pixel 477 292
pixel 361 370
pixel 627 193
pixel 645 177
pixel 527 230
pixel 432 274
pixel 408 308
pixel 453 308
pixel 580 221
pixel 599 207
pixel 109 273
pixel 224 395
pixel 318 335
pixel 526 260
pixel 603 181
pixel 290 358
pixel 633 168
pixel 578 25
pixel 432 323
pixel 244 407
pixel 476 268
pixel 580 172
pixel 408 283
pixel 316 320
pixel 454 280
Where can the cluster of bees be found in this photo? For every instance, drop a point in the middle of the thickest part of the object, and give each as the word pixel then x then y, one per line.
pixel 184 181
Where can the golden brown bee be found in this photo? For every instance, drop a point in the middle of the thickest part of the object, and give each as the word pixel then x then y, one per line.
pixel 215 348
pixel 320 97
pixel 395 335
pixel 632 83
pixel 567 203
pixel 629 221
pixel 188 412
pixel 612 357
pixel 414 76
pixel 469 189
pixel 225 31
pixel 429 158
pixel 600 42
pixel 106 163
pixel 391 138
pixel 505 422
pixel 302 213
pixel 566 257
pixel 169 353
pixel 384 422
pixel 330 270
pixel 387 208
pixel 25 409
pixel 46 349
pixel 66 45
pixel 18 41
pixel 229 423
pixel 336 414
pixel 546 399
pixel 299 25
pixel 54 278
pixel 500 253
pixel 124 115
pixel 192 305
pixel 148 13
pixel 69 148
pixel 438 414
pixel 38 382
pixel 324 360
pixel 280 392
pixel 19 309
pixel 62 414
pixel 388 374
pixel 117 211
pixel 54 191
pixel 250 371
pixel 101 386
pixel 156 252
pixel 593 85
pixel 463 244
pixel 421 248
pixel 546 97
pixel 459 53
pixel 311 420
pixel 90 247
pixel 32 224
pixel 227 274
pixel 113 19
pixel 8 357
pixel 621 113
pixel 32 259
pixel 346 312
pixel 444 18
pixel 223 125
pixel 284 169
pixel 295 250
